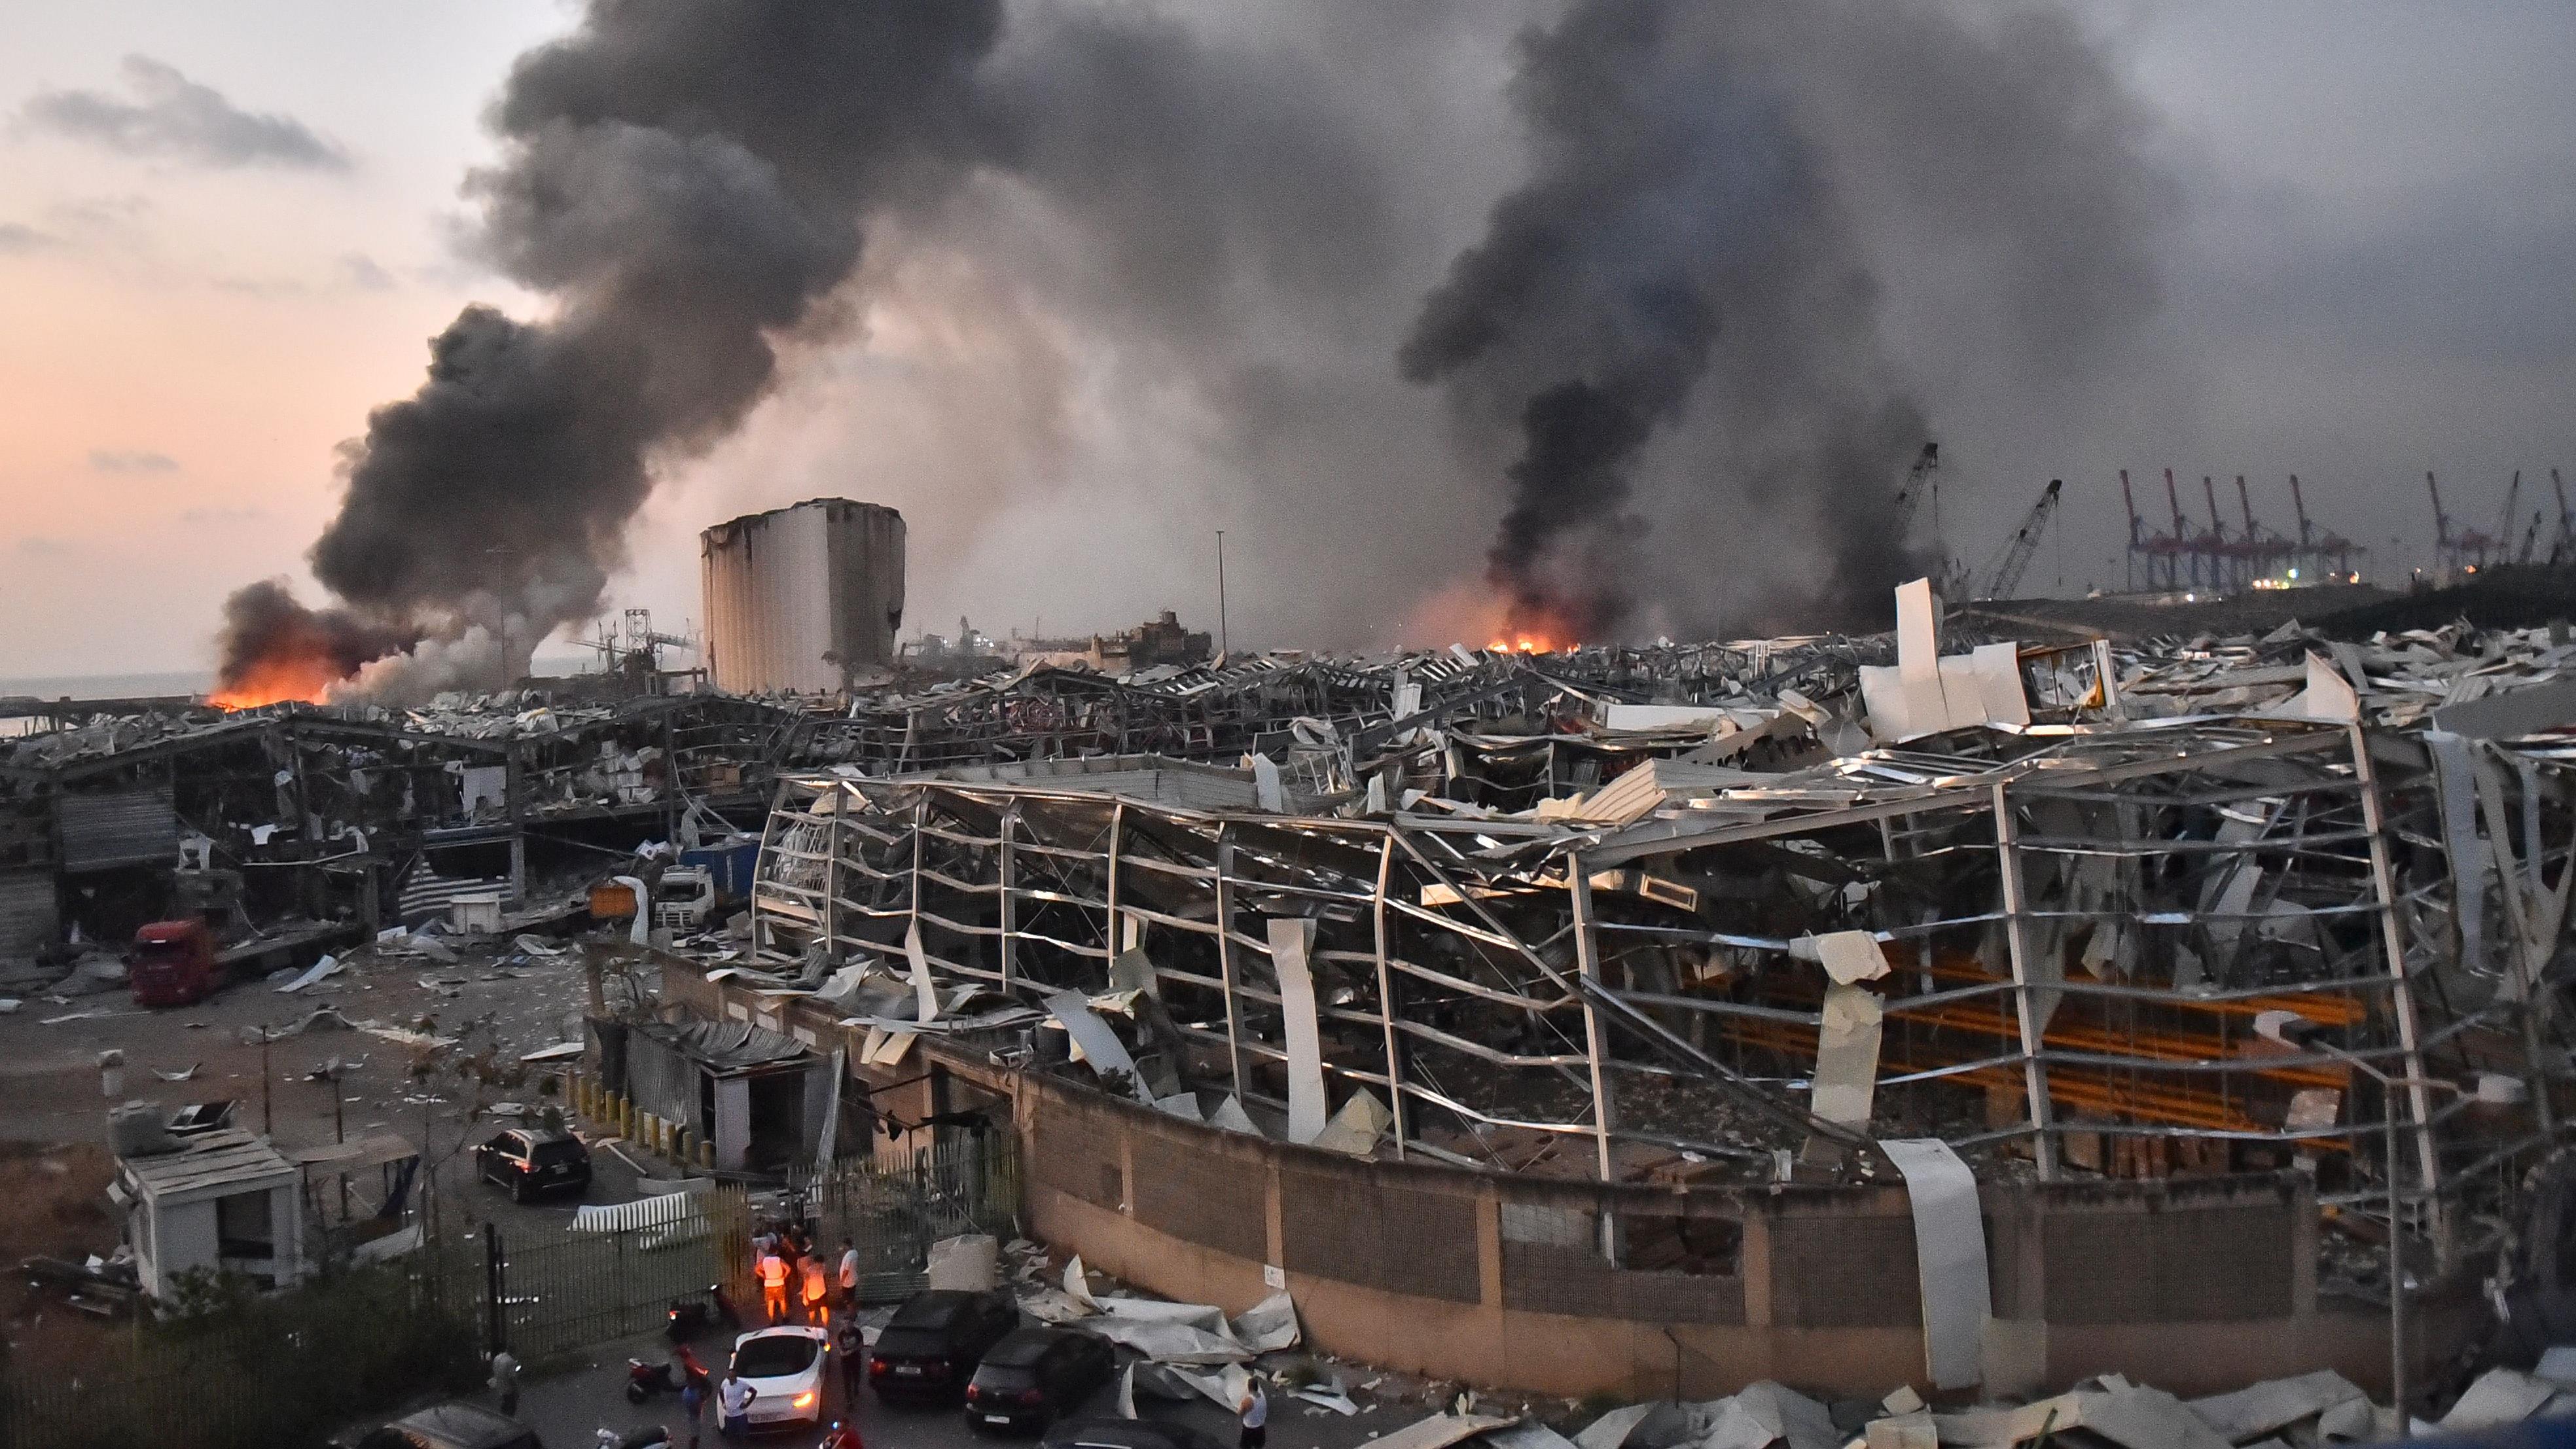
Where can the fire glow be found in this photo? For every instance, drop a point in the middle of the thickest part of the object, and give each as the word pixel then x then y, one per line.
pixel 279 679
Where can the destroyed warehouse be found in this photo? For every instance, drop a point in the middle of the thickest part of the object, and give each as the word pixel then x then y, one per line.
pixel 1949 1005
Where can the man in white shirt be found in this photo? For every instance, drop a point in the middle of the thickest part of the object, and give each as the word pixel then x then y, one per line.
pixel 849 1276
pixel 505 1383
pixel 733 1402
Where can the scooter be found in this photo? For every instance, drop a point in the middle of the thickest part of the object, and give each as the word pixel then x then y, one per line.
pixel 688 1317
pixel 646 1379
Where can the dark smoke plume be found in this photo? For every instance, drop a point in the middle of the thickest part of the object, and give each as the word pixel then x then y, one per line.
pixel 688 181
pixel 1694 241
pixel 262 622
pixel 1676 311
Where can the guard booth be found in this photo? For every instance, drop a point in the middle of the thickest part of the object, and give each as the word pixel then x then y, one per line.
pixel 222 1201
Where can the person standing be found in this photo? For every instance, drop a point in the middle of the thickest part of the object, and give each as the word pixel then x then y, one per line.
pixel 733 1404
pixel 849 1276
pixel 505 1383
pixel 1254 1415
pixel 773 1285
pixel 853 1348
pixel 818 1287
pixel 693 1399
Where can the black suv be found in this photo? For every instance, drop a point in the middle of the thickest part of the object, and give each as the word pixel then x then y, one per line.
pixel 1035 1376
pixel 532 1160
pixel 450 1426
pixel 935 1340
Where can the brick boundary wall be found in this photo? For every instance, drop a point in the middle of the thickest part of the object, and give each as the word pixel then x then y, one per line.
pixel 2196 1285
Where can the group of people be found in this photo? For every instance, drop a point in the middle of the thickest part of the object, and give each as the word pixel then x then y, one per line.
pixel 795 1279
pixel 796 1285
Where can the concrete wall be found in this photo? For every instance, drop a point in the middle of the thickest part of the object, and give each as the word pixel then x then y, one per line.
pixel 786 588
pixel 2196 1285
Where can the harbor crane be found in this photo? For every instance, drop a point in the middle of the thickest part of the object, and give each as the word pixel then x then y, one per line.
pixel 1922 478
pixel 2009 565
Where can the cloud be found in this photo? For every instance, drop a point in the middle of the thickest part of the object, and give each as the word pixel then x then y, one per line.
pixel 16 240
pixel 360 271
pixel 204 517
pixel 35 547
pixel 176 117
pixel 131 460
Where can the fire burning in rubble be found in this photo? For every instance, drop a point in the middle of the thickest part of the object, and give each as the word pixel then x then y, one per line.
pixel 276 680
pixel 275 649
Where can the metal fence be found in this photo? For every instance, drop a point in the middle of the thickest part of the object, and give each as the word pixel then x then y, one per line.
pixel 891 1208
pixel 551 1293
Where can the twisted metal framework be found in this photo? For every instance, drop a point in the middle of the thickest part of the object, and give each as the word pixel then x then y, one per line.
pixel 2083 922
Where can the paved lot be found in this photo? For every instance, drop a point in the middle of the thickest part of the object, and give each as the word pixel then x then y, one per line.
pixel 49 1076
pixel 569 1409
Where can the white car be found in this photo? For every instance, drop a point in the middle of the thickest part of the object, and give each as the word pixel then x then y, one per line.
pixel 784 1369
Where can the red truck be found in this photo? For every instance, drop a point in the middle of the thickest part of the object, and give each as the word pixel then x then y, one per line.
pixel 174 964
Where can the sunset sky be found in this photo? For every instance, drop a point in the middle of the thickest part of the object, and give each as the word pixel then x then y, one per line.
pixel 226 233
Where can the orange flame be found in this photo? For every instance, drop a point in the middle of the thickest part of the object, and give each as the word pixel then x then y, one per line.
pixel 306 678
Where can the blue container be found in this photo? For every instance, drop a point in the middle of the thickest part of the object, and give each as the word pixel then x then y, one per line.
pixel 731 863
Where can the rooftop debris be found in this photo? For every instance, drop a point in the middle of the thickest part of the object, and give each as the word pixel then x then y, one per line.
pixel 1586 909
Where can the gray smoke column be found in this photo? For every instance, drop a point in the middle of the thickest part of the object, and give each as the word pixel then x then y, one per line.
pixel 687 181
pixel 1694 241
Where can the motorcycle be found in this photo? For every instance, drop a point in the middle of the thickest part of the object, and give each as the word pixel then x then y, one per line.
pixel 689 1317
pixel 648 1437
pixel 645 1379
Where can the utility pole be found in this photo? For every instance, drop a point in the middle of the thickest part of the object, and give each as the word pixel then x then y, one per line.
pixel 267 1109
pixel 1223 643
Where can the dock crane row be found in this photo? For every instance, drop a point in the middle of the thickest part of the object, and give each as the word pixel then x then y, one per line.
pixel 2225 558
pixel 2213 558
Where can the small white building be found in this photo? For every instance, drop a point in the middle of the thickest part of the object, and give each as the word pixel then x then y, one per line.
pixel 225 1201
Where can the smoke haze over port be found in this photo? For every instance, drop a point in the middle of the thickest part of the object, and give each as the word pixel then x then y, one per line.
pixel 1087 351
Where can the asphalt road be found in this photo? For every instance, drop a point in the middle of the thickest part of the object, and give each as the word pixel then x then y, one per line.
pixel 568 1410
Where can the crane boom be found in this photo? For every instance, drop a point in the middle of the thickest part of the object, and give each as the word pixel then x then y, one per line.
pixel 2016 556
pixel 2559 546
pixel 1919 480
pixel 2301 504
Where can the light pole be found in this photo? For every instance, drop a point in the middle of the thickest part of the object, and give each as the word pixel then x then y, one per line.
pixel 2293 1030
pixel 1222 643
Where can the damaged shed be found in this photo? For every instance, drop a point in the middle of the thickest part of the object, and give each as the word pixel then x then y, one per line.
pixel 762 1099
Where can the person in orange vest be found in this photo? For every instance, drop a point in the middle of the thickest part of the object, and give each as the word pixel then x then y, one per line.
pixel 818 1284
pixel 773 1285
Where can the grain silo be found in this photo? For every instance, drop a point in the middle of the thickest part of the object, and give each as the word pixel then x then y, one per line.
pixel 802 598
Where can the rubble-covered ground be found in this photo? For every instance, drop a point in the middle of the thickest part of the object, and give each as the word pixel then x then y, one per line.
pixel 377 1017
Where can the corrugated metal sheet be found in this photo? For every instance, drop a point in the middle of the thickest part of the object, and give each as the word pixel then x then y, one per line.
pixel 27 913
pixel 133 828
pixel 787 588
pixel 228 1158
pixel 425 892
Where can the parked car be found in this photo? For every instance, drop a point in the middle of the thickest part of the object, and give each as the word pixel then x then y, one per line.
pixel 784 1367
pixel 1035 1376
pixel 1125 1434
pixel 532 1160
pixel 930 1348
pixel 448 1426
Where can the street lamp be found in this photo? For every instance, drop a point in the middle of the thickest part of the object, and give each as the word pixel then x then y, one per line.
pixel 1223 643
pixel 2298 1032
